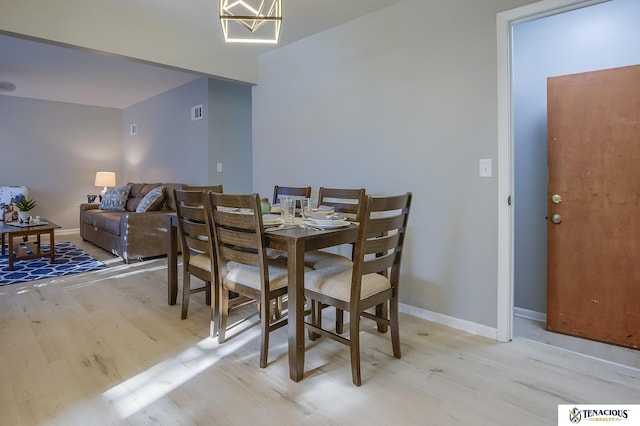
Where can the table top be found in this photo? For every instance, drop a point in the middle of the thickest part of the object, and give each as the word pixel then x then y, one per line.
pixel 13 228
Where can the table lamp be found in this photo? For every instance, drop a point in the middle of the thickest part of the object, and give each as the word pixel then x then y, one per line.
pixel 105 179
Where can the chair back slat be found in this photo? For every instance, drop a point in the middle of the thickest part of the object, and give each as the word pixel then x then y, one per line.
pixel 378 264
pixel 205 188
pixel 241 240
pixel 198 245
pixel 235 219
pixel 231 254
pixel 379 226
pixel 381 244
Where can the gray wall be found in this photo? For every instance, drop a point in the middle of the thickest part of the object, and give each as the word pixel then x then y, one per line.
pixel 168 147
pixel 402 99
pixel 55 149
pixel 229 115
pixel 601 36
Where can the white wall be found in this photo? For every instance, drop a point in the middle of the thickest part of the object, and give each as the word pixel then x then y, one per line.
pixel 403 99
pixel 55 149
pixel 597 37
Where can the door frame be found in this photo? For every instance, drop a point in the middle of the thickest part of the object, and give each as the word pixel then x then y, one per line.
pixel 504 25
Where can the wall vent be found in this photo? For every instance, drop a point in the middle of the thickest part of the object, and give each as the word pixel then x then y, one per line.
pixel 196 112
pixel 133 130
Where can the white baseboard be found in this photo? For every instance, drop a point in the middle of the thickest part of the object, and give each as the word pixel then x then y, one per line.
pixel 532 315
pixel 457 323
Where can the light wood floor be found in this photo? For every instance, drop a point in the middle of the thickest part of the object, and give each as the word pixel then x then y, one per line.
pixel 105 348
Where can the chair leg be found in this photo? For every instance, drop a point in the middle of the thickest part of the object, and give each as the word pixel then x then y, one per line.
pixel 354 344
pixel 381 311
pixel 265 320
pixel 277 308
pixel 215 308
pixel 339 321
pixel 222 313
pixel 395 326
pixel 315 312
pixel 208 292
pixel 186 292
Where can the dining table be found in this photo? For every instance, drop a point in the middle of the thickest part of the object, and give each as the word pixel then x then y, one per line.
pixel 295 241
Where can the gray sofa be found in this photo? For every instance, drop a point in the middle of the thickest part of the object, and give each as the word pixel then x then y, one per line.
pixel 130 235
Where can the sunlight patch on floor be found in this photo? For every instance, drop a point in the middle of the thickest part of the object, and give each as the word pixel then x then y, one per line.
pixel 139 391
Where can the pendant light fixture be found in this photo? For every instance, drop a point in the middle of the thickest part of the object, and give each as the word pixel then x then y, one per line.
pixel 251 21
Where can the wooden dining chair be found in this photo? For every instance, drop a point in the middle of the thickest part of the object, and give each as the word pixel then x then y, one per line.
pixel 197 244
pixel 347 202
pixel 373 279
pixel 243 264
pixel 293 191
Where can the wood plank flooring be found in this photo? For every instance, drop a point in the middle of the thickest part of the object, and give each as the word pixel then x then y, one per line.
pixel 105 348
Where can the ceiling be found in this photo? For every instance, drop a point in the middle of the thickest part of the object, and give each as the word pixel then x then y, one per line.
pixel 43 70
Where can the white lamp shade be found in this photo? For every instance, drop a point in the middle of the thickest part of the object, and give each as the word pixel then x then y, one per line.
pixel 105 179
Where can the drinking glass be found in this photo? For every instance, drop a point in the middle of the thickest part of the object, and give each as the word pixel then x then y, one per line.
pixel 288 206
pixel 305 207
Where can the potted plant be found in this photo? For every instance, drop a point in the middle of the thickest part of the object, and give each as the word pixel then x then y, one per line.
pixel 24 205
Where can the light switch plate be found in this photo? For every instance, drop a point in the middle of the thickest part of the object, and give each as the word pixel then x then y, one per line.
pixel 485 167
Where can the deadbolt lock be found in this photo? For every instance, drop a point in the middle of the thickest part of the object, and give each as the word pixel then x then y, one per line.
pixel 556 199
pixel 556 218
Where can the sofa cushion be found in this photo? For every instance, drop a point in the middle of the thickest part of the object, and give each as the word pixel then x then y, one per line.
pixel 104 220
pixel 115 198
pixel 154 200
pixel 108 221
pixel 169 199
pixel 137 193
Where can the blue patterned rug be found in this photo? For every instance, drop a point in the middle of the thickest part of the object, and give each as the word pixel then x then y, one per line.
pixel 69 260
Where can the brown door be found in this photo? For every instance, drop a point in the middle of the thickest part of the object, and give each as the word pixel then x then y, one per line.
pixel 593 130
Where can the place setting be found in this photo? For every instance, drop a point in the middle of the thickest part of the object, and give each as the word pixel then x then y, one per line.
pixel 317 218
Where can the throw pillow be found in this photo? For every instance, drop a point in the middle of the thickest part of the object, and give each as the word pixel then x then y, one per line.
pixel 115 198
pixel 152 201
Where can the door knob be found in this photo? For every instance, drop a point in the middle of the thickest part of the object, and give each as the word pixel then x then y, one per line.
pixel 556 199
pixel 556 218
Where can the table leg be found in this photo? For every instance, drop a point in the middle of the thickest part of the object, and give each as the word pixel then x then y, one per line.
pixel 295 264
pixel 52 245
pixel 2 241
pixel 172 262
pixel 10 253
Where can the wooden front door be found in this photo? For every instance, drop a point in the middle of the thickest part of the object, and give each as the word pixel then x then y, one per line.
pixel 593 283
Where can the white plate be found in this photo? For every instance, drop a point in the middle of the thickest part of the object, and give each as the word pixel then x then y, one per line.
pixel 329 224
pixel 271 219
pixel 326 221
pixel 323 210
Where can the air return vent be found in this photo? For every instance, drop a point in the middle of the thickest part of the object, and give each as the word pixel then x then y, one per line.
pixel 196 112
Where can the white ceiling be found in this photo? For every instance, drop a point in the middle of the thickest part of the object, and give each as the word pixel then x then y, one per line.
pixel 52 72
